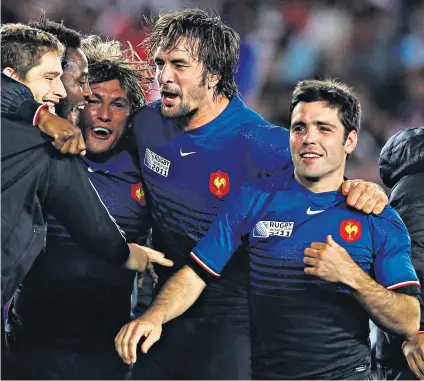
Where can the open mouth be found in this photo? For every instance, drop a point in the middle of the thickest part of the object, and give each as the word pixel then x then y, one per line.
pixel 310 156
pixel 168 97
pixel 51 105
pixel 75 113
pixel 101 133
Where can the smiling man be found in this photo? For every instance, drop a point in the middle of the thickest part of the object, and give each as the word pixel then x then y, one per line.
pixel 75 69
pixel 318 269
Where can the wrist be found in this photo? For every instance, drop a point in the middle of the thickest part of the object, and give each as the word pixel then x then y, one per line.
pixel 43 116
pixel 156 314
pixel 354 278
pixel 418 333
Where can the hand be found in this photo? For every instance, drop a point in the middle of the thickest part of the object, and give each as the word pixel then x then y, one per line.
pixel 152 273
pixel 67 137
pixel 414 353
pixel 365 196
pixel 329 261
pixel 141 256
pixel 130 334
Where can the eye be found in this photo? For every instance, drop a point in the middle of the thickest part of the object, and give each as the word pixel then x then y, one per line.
pixel 325 129
pixel 118 105
pixel 93 101
pixel 297 128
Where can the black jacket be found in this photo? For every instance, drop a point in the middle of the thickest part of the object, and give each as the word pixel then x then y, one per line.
pixel 401 167
pixel 36 180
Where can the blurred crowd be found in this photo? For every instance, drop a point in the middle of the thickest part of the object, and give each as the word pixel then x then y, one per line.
pixel 376 46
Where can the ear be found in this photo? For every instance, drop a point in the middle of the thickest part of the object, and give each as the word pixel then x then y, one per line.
pixel 9 72
pixel 351 142
pixel 213 80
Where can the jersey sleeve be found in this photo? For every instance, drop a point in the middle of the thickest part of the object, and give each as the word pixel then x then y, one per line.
pixel 215 249
pixel 74 202
pixel 269 148
pixel 393 267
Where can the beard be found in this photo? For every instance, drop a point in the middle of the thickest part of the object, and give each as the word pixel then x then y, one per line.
pixel 184 110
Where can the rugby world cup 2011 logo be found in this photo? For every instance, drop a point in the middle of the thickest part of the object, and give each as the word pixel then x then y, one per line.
pixel 265 229
pixel 261 229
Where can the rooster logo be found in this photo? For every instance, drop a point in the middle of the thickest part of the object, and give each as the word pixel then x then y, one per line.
pixel 139 194
pixel 219 183
pixel 350 230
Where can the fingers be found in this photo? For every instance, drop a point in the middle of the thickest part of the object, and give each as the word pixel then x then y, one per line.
pixel 318 245
pixel 359 195
pixel 411 359
pixel 346 187
pixel 81 145
pixel 378 208
pixel 73 147
pixel 128 337
pixel 126 342
pixel 309 261
pixel 331 241
pixel 313 253
pixel 151 339
pixel 65 147
pixel 158 257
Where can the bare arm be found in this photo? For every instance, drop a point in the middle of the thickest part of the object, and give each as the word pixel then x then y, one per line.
pixel 398 313
pixel 177 295
pixel 394 312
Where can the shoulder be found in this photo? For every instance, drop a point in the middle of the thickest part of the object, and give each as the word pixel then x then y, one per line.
pixel 387 222
pixel 150 111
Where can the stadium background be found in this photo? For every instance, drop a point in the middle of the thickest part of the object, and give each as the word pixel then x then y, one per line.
pixel 377 46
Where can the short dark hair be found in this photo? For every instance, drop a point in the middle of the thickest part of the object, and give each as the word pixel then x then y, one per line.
pixel 22 47
pixel 70 38
pixel 337 94
pixel 107 61
pixel 217 49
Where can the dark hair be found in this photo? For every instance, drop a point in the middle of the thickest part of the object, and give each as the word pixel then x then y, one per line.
pixel 107 61
pixel 338 95
pixel 22 47
pixel 70 38
pixel 216 45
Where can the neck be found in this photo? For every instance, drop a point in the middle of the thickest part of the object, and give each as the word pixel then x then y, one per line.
pixel 105 156
pixel 204 114
pixel 320 185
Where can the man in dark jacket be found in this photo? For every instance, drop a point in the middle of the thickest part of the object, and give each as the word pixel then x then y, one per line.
pixel 402 169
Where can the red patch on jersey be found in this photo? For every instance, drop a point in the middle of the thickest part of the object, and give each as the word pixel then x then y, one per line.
pixel 137 193
pixel 350 230
pixel 219 183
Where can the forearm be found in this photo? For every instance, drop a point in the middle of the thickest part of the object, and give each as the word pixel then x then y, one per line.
pixel 176 296
pixel 396 313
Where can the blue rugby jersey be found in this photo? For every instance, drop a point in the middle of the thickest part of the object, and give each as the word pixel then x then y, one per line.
pixel 301 326
pixel 190 175
pixel 72 295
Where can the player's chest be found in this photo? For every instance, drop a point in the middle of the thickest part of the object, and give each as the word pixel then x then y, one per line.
pixel 212 169
pixel 288 234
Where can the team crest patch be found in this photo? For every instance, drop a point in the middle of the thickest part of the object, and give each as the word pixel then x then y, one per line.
pixel 265 229
pixel 350 230
pixel 219 183
pixel 156 163
pixel 137 193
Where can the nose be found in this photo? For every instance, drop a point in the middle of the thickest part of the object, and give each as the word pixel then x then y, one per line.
pixel 310 136
pixel 59 89
pixel 165 75
pixel 104 113
pixel 86 90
